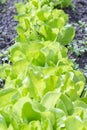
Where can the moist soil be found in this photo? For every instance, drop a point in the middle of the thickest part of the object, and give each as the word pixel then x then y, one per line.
pixel 7 24
pixel 77 17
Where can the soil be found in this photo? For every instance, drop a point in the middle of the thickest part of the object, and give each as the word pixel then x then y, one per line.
pixel 7 29
pixel 77 17
pixel 7 24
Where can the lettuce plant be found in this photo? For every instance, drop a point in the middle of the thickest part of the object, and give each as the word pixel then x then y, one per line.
pixel 42 90
pixel 58 3
pixel 43 23
pixel 62 3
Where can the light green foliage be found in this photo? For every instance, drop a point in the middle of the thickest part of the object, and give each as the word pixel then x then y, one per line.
pixel 43 23
pixel 42 90
pixel 58 3
pixel 2 1
pixel 64 3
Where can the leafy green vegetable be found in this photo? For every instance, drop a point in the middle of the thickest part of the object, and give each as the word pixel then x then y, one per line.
pixel 42 90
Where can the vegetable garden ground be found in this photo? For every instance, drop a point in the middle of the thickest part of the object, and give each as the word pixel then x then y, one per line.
pixel 43 65
pixel 77 17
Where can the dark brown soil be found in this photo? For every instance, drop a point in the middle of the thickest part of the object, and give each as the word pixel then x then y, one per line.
pixel 78 18
pixel 7 24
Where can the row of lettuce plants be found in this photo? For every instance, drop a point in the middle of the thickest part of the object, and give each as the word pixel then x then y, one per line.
pixel 42 90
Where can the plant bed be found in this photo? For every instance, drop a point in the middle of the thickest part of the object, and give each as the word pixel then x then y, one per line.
pixel 77 17
pixel 42 89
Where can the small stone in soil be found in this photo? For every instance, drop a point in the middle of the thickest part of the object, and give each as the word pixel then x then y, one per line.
pixel 2 83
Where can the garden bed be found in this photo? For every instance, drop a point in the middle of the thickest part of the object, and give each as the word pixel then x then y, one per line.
pixel 77 17
pixel 42 88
